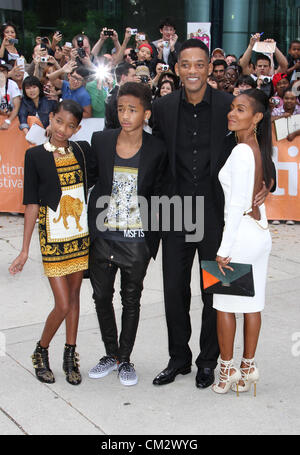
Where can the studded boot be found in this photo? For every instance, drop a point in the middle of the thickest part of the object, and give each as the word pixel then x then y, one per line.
pixel 71 365
pixel 40 361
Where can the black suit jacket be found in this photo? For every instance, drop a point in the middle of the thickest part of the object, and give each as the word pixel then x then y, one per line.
pixel 165 125
pixel 101 170
pixel 111 110
pixel 41 181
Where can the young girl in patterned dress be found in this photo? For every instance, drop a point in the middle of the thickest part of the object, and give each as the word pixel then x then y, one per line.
pixel 55 192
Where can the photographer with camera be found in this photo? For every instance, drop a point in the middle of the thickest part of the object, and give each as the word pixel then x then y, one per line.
pixel 81 52
pixel 263 68
pixel 8 50
pixel 159 69
pixel 105 34
pixel 167 47
pixel 73 88
pixel 10 96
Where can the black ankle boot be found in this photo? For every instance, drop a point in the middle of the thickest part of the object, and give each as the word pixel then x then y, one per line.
pixel 40 361
pixel 71 365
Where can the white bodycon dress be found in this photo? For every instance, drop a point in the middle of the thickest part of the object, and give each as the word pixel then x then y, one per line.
pixel 244 239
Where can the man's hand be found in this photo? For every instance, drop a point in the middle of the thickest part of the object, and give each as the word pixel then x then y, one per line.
pixel 69 67
pixel 115 36
pixel 173 41
pixel 254 39
pixel 260 197
pixel 127 35
pixel 57 37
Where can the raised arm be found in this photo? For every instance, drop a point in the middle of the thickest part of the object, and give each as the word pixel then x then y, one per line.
pixel 66 69
pixel 118 57
pixel 245 59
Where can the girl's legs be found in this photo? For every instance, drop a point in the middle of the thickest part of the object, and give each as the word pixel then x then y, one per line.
pixel 61 293
pixel 72 318
pixel 66 290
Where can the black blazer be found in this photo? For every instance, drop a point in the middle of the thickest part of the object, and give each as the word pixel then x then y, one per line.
pixel 41 181
pixel 165 125
pixel 101 171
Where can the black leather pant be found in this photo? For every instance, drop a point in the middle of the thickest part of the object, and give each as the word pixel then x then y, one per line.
pixel 132 258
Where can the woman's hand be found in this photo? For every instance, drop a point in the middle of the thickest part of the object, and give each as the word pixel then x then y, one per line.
pixel 223 264
pixel 5 42
pixel 18 264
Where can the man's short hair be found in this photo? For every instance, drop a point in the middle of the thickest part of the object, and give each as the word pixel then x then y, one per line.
pixel 168 22
pixel 262 57
pixel 219 62
pixel 123 69
pixel 193 43
pixel 138 90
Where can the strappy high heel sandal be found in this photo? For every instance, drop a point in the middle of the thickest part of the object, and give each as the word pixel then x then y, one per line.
pixel 227 378
pixel 250 375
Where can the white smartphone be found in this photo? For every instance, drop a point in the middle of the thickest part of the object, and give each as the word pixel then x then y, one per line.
pixel 67 44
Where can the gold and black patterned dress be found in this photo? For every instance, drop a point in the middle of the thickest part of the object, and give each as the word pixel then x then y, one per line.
pixel 64 236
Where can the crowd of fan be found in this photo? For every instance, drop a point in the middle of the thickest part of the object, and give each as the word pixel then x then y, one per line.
pixel 78 71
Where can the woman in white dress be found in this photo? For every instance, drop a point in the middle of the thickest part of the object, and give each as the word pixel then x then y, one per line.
pixel 246 238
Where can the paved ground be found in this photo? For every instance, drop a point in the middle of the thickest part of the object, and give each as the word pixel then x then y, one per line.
pixel 104 407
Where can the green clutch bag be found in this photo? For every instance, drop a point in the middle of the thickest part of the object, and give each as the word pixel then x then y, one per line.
pixel 238 282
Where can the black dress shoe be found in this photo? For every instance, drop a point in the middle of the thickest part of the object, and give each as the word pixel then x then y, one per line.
pixel 205 377
pixel 169 374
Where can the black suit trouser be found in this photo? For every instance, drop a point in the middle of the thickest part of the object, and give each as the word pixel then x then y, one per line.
pixel 178 257
pixel 132 258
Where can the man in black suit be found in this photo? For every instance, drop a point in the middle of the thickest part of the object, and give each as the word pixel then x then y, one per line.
pixel 196 153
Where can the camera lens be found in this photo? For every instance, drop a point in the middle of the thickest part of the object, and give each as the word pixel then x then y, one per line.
pixel 80 41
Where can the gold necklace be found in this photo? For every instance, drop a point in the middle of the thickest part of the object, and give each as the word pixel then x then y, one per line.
pixel 61 150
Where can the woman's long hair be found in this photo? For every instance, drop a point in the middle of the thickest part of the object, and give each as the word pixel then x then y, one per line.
pixel 260 103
